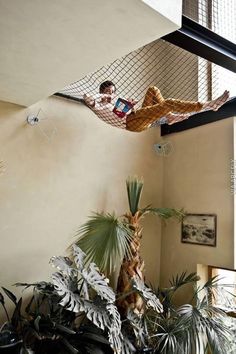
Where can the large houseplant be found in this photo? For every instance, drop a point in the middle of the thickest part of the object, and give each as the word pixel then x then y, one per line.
pixel 50 324
pixel 194 327
pixel 143 322
pixel 114 243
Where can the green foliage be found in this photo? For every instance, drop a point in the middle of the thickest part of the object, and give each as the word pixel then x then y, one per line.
pixel 164 213
pixel 106 238
pixel 106 241
pixel 134 187
pixel 189 327
pixel 49 325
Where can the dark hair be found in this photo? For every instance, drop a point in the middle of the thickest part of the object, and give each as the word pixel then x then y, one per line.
pixel 106 84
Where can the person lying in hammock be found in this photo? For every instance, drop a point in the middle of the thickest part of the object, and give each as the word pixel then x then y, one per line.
pixel 155 108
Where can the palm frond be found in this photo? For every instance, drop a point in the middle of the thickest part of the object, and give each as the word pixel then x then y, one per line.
pixel 134 189
pixel 171 336
pixel 164 213
pixel 127 346
pixel 183 279
pixel 189 329
pixel 203 323
pixel 105 240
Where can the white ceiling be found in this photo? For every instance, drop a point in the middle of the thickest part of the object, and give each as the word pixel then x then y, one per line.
pixel 47 44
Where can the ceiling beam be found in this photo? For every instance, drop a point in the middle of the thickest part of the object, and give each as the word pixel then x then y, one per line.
pixel 205 43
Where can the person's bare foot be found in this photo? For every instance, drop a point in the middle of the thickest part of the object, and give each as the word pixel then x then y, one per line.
pixel 176 117
pixel 217 103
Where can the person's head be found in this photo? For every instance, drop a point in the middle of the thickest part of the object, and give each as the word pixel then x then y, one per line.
pixel 107 87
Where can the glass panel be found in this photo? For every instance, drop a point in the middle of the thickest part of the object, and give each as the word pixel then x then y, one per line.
pixel 216 15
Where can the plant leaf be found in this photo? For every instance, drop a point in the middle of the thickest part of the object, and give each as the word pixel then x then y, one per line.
pixel 105 316
pixel 147 294
pixel 183 279
pixel 64 329
pixel 17 313
pixel 134 190
pixel 137 325
pixel 98 282
pixel 2 299
pixel 106 241
pixel 79 257
pixel 69 346
pixel 63 264
pixel 65 288
pixel 114 334
pixel 97 314
pixel 127 346
pixel 36 323
pixel 11 296
pixel 165 213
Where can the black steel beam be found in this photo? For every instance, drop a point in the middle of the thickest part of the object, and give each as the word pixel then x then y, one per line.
pixel 228 110
pixel 72 98
pixel 201 41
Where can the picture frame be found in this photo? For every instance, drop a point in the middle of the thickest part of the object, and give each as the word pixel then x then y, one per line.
pixel 199 229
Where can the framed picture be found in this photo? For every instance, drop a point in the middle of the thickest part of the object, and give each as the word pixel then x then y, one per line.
pixel 199 229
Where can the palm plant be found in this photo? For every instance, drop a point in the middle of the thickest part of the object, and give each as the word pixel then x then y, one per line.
pixel 198 326
pixel 113 243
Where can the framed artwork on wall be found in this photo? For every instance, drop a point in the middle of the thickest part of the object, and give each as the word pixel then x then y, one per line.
pixel 199 229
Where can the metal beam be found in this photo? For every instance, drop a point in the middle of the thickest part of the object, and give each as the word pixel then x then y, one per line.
pixel 203 42
pixel 72 98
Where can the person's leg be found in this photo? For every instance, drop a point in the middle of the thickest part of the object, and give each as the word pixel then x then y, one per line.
pixel 217 103
pixel 145 116
pixel 152 97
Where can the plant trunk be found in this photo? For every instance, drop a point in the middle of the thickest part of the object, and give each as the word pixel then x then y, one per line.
pixel 130 268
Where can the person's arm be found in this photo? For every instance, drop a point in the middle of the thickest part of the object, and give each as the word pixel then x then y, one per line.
pixel 90 101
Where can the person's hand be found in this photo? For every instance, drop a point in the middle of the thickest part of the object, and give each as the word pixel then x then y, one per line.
pixel 89 100
pixel 132 101
pixel 106 98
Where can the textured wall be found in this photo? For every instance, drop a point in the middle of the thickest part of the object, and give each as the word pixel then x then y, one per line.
pixel 51 186
pixel 197 178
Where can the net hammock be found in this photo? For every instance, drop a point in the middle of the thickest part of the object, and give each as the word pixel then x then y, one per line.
pixel 156 84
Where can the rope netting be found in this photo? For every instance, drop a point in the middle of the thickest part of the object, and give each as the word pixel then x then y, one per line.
pixel 174 71
pixel 158 83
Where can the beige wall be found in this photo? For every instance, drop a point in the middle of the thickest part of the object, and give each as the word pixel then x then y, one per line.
pixel 197 178
pixel 50 187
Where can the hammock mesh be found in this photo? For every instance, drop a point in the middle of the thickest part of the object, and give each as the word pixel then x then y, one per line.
pixel 177 73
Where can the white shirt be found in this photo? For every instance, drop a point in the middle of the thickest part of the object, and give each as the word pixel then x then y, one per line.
pixel 104 111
